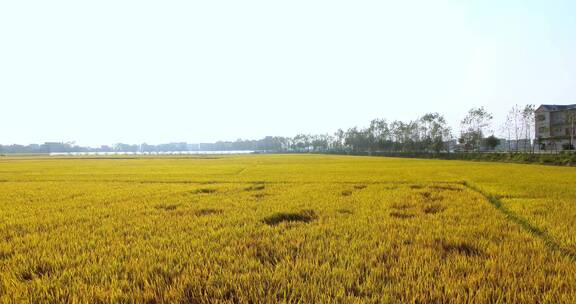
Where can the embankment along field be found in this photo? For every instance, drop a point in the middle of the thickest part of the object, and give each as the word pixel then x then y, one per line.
pixel 285 228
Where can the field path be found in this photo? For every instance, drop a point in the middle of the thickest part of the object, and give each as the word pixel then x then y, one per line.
pixel 537 232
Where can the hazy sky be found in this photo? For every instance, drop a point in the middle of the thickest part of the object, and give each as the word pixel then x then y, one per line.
pixel 101 72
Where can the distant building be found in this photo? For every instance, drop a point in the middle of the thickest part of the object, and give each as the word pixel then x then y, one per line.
pixel 520 145
pixel 452 145
pixel 555 126
pixel 52 147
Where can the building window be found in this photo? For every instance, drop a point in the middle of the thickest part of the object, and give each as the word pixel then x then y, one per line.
pixel 541 117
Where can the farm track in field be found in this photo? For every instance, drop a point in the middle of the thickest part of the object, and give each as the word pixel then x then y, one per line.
pixel 537 232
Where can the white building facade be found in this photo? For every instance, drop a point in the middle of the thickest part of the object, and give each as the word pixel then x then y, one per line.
pixel 555 127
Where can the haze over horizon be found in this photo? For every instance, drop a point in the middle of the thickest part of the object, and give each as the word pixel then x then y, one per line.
pixel 156 72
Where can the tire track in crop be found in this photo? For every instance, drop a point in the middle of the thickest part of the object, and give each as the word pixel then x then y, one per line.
pixel 537 232
pixel 241 171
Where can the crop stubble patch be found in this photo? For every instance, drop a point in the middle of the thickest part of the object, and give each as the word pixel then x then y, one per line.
pixel 446 188
pixel 344 211
pixel 207 211
pixel 446 248
pixel 166 207
pixel 304 216
pixel 256 187
pixel 35 271
pixel 346 193
pixel 401 206
pixel 430 197
pixel 259 196
pixel 402 215
pixel 433 208
pixel 205 191
pixel 4 255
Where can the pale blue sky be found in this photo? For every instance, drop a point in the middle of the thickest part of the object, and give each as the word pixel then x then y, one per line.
pixel 100 72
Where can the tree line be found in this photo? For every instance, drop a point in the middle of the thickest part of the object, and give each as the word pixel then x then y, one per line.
pixel 427 133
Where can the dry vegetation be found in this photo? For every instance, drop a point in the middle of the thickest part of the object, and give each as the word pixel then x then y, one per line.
pixel 278 228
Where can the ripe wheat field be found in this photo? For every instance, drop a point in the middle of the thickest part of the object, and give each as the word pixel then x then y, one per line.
pixel 285 229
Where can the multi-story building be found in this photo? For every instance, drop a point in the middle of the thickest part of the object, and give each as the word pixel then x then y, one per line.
pixel 555 127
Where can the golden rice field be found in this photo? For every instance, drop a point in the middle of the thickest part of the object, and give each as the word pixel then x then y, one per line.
pixel 285 229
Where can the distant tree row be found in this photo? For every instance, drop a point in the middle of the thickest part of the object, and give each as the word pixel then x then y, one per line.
pixel 428 133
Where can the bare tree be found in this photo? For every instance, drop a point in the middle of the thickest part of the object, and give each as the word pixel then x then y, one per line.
pixel 515 117
pixel 571 119
pixel 508 128
pixel 529 123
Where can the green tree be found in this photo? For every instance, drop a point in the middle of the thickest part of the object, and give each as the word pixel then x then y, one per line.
pixel 492 142
pixel 435 132
pixel 474 125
